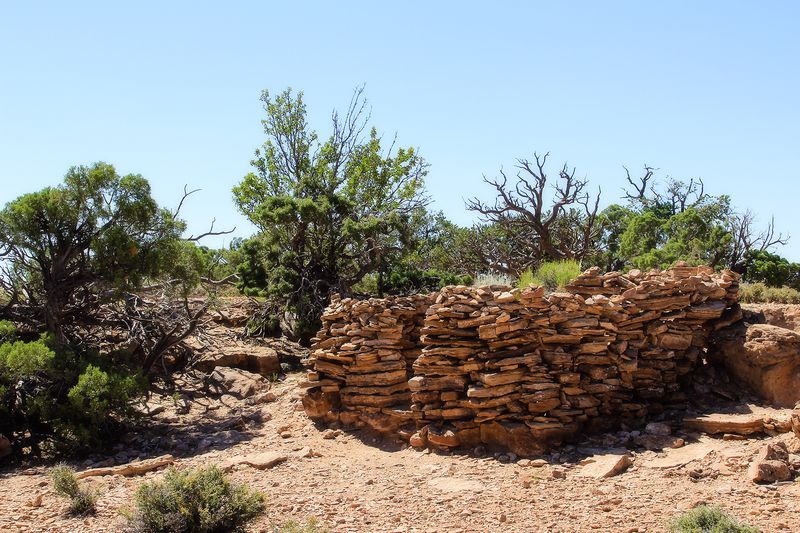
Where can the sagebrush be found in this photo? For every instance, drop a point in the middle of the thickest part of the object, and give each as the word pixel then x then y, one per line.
pixel 552 275
pixel 292 526
pixel 189 501
pixel 708 519
pixel 761 293
pixel 82 499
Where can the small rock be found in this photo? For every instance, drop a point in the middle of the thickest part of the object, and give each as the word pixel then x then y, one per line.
pixel 155 410
pixel 418 440
pixel 658 428
pixel 331 434
pixel 733 436
pixel 182 406
pixel 770 464
pixel 308 453
pixel 607 465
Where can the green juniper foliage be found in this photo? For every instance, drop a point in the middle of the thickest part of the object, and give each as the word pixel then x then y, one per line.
pixel 49 395
pixel 67 254
pixel 70 247
pixel 771 269
pixel 329 211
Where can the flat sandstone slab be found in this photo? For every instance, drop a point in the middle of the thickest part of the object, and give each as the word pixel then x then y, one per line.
pixel 758 420
pixel 676 457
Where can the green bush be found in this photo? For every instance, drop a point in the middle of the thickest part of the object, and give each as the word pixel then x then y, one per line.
pixel 771 269
pixel 761 293
pixel 54 400
pixel 404 279
pixel 708 519
pixel 82 499
pixel 552 275
pixel 201 500
pixel 18 358
pixel 7 330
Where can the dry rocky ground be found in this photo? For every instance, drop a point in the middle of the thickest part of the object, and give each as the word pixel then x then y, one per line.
pixel 352 482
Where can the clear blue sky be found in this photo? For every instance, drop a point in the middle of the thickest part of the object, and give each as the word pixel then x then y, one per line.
pixel 170 90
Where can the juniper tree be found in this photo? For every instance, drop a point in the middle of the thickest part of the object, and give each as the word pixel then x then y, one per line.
pixel 329 211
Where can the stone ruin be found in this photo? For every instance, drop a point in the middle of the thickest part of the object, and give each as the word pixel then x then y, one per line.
pixel 517 370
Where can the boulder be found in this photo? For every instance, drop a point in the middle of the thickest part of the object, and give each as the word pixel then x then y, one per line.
pixel 658 428
pixel 762 357
pixel 754 420
pixel 317 403
pixel 239 383
pixel 770 464
pixel 443 437
pixel 511 436
pixel 254 358
pixel 781 315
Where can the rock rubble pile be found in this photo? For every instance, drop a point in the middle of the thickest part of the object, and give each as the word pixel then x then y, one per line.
pixel 517 369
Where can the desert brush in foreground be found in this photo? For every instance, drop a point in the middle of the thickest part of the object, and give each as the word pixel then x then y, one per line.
pixel 65 483
pixel 189 501
pixel 708 519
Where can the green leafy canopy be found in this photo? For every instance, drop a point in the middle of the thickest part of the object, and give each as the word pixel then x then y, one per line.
pixel 329 212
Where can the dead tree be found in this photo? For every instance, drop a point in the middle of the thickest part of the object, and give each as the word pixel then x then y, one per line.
pixel 537 219
pixel 676 196
pixel 748 239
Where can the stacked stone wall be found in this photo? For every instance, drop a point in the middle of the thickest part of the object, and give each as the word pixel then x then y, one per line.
pixel 517 369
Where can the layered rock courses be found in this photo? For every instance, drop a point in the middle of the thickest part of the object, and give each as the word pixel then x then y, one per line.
pixel 515 369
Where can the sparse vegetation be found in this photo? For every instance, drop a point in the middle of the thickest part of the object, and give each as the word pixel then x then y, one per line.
pixel 488 278
pixel 190 501
pixel 708 519
pixel 65 483
pixel 552 275
pixel 762 293
pixel 53 399
pixel 292 526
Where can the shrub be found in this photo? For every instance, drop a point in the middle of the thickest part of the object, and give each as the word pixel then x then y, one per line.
pixel 404 279
pixel 292 526
pixel 761 293
pixel 7 330
pixel 552 275
pixel 54 400
pixel 195 500
pixel 82 499
pixel 708 519
pixel 98 393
